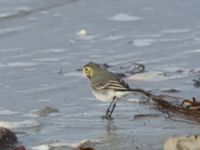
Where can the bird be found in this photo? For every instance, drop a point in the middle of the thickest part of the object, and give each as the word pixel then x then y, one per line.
pixel 107 86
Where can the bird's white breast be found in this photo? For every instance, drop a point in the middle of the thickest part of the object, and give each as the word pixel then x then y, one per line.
pixel 107 95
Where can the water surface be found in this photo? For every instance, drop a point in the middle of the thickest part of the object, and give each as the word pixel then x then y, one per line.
pixel 40 53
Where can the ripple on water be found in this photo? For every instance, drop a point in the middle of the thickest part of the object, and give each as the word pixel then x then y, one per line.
pixel 192 51
pixel 46 59
pixel 21 11
pixel 175 31
pixel 19 64
pixel 73 74
pixel 7 112
pixel 37 53
pixel 6 31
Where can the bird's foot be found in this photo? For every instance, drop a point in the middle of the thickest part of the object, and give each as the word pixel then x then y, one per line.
pixel 107 117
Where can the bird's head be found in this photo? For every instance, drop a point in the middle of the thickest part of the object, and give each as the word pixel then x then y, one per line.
pixel 90 69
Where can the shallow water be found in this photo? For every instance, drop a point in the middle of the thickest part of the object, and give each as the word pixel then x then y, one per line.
pixel 40 53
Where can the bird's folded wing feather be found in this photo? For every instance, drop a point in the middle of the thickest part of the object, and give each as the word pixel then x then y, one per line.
pixel 118 85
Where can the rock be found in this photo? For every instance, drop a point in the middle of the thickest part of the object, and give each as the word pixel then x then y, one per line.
pixel 87 148
pixel 45 111
pixel 179 71
pixel 7 138
pixel 182 143
pixel 85 145
pixel 19 148
pixel 136 68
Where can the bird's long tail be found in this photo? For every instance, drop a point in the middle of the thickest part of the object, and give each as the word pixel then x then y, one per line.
pixel 141 91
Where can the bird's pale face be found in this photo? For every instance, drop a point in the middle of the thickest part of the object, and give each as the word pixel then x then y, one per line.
pixel 88 71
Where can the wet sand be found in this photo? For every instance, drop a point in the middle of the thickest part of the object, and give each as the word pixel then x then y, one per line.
pixel 40 53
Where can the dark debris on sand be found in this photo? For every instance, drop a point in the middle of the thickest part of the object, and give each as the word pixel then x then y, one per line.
pixel 18 148
pixel 196 83
pixel 179 107
pixel 8 140
pixel 174 106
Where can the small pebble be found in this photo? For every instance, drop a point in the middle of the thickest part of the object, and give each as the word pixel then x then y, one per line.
pixel 82 33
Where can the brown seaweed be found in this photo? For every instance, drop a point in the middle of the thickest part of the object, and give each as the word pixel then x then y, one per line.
pixel 173 104
pixel 142 116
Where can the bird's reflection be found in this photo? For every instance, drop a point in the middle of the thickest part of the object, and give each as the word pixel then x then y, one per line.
pixel 110 127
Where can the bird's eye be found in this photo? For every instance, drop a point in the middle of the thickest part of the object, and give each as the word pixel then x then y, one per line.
pixel 86 69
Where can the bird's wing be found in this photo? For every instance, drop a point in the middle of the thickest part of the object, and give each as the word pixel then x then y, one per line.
pixel 117 85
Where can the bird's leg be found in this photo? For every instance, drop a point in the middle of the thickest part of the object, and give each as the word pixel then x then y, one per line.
pixel 108 110
pixel 114 105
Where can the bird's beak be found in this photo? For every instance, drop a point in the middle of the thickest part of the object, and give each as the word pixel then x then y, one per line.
pixel 83 72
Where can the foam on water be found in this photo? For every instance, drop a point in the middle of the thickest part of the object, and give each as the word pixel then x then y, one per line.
pixel 113 38
pixel 123 17
pixel 12 30
pixel 26 124
pixel 56 50
pixel 143 42
pixel 44 100
pixel 68 146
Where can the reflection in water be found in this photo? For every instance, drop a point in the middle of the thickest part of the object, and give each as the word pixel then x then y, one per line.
pixel 112 139
pixel 110 127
